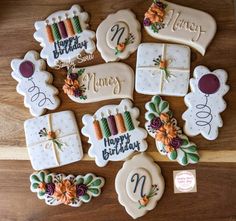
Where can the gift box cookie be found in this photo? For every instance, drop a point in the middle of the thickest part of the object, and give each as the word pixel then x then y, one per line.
pixel 53 140
pixel 162 69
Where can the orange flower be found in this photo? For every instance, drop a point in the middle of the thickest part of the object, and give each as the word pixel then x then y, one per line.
pixel 159 11
pixel 120 47
pixel 166 133
pixel 42 186
pixel 169 148
pixel 164 117
pixel 155 14
pixel 144 201
pixel 65 192
pixel 51 135
pixel 70 86
pixel 163 64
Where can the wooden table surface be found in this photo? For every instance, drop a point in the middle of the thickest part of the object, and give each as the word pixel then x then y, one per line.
pixel 216 173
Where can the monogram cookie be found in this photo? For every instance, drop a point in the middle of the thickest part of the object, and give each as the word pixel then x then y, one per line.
pixel 35 83
pixel 64 35
pixel 118 35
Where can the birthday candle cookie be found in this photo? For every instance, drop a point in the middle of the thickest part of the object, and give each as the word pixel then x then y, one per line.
pixel 162 69
pixel 64 35
pixel 139 185
pixel 53 140
pixel 170 140
pixel 35 83
pixel 100 82
pixel 114 133
pixel 70 190
pixel 205 102
pixel 118 35
pixel 172 22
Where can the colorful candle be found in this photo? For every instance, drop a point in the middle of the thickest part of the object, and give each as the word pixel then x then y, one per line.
pixel 105 128
pixel 97 129
pixel 76 24
pixel 55 31
pixel 62 29
pixel 49 33
pixel 69 27
pixel 120 123
pixel 128 121
pixel 112 125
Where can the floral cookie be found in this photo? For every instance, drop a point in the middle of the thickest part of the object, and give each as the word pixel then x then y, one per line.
pixel 64 35
pixel 205 102
pixel 118 35
pixel 58 189
pixel 100 82
pixel 34 83
pixel 162 69
pixel 139 185
pixel 172 22
pixel 53 140
pixel 170 140
pixel 114 133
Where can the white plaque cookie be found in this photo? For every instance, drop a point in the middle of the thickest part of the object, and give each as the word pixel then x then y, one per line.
pixel 64 35
pixel 53 140
pixel 172 22
pixel 205 102
pixel 59 188
pixel 114 133
pixel 35 83
pixel 162 69
pixel 118 35
pixel 100 82
pixel 139 185
pixel 170 140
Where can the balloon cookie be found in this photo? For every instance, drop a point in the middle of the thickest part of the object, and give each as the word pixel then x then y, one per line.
pixel 35 83
pixel 64 35
pixel 170 140
pixel 172 22
pixel 114 133
pixel 118 35
pixel 205 102
pixel 139 185
pixel 59 188
pixel 100 82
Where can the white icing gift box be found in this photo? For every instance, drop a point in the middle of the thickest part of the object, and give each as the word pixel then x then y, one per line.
pixel 53 140
pixel 162 69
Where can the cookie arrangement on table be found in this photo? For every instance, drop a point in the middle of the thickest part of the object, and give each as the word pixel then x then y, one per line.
pixel 113 131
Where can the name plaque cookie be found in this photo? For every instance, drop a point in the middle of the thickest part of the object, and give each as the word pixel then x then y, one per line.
pixel 172 22
pixel 114 133
pixel 64 35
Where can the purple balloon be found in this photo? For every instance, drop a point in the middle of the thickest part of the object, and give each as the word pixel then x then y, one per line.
pixel 209 84
pixel 26 69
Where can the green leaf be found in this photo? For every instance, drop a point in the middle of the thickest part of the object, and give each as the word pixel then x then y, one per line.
pixel 35 185
pixel 49 179
pixel 85 197
pixel 151 116
pixel 152 107
pixel 96 182
pixel 88 179
pixel 164 105
pixel 192 148
pixel 185 142
pixel 81 71
pixel 80 180
pixel 157 100
pixel 184 160
pixel 35 178
pixel 41 193
pixel 193 157
pixel 42 176
pixel 173 155
pixel 94 191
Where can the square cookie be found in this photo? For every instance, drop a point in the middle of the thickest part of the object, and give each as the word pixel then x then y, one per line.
pixel 53 140
pixel 162 69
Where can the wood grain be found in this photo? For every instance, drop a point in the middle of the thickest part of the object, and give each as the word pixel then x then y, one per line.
pixel 216 196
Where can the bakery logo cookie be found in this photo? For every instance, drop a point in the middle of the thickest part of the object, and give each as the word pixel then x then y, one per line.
pixel 34 83
pixel 99 82
pixel 172 22
pixel 205 102
pixel 118 35
pixel 170 140
pixel 53 140
pixel 59 188
pixel 162 69
pixel 114 133
pixel 139 185
pixel 64 36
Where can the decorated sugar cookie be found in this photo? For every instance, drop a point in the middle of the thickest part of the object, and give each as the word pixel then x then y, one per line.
pixel 35 83
pixel 118 35
pixel 205 102
pixel 53 140
pixel 139 185
pixel 162 69
pixel 114 133
pixel 170 140
pixel 172 22
pixel 70 190
pixel 64 35
pixel 100 82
